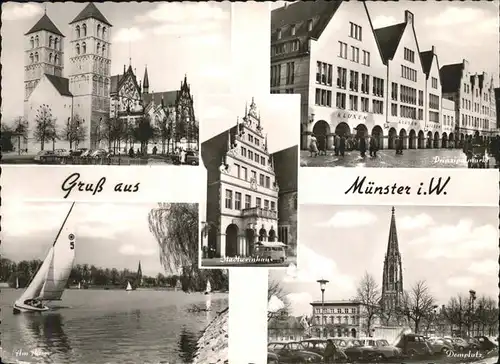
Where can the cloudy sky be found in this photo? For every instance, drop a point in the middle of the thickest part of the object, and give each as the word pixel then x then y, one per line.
pixel 453 248
pixel 107 235
pixel 172 39
pixel 279 115
pixel 457 29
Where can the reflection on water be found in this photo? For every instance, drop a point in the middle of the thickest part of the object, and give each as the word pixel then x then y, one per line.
pixel 109 327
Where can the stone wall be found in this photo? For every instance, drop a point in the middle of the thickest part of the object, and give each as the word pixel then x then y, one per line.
pixel 213 344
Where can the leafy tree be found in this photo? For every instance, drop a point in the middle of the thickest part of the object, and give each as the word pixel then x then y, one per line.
pixel 45 126
pixel 143 132
pixel 74 131
pixel 6 138
pixel 19 130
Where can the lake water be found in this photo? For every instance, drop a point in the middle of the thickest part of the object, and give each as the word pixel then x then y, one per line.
pixel 108 326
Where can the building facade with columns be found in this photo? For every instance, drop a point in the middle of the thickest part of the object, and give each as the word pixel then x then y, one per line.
pixel 355 80
pixel 242 192
pixel 341 318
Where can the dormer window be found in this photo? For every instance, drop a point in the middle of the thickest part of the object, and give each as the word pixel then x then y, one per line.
pixel 309 25
pixel 279 33
pixel 292 29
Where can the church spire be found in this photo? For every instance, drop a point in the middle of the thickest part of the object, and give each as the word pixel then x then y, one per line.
pixel 392 244
pixel 145 82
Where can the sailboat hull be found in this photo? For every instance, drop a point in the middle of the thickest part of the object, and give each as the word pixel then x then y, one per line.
pixel 22 308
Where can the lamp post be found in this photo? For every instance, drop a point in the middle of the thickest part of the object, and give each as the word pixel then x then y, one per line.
pixel 322 285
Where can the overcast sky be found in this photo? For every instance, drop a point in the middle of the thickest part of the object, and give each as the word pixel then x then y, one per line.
pixel 279 115
pixel 107 235
pixel 457 29
pixel 453 248
pixel 171 38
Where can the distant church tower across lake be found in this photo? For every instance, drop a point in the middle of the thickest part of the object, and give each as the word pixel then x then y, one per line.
pixel 392 280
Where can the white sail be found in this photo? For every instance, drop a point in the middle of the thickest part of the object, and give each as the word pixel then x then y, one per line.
pixel 35 287
pixel 209 287
pixel 79 285
pixel 17 282
pixel 129 287
pixel 63 256
pixel 52 276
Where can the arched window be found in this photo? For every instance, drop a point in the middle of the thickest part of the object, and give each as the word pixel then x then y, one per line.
pixel 37 41
pixel 50 58
pixel 98 29
pixel 103 32
pixel 56 43
pixel 31 58
pixel 56 60
pixel 32 41
pixel 84 29
pixel 104 50
pixel 98 47
pixel 84 48
pixel 78 31
pixel 36 57
pixel 77 48
pixel 50 41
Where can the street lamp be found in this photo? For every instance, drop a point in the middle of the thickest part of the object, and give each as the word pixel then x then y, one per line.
pixel 322 285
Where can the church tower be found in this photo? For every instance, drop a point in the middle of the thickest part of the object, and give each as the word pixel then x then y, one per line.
pixel 44 51
pixel 139 275
pixel 392 280
pixel 145 82
pixel 90 69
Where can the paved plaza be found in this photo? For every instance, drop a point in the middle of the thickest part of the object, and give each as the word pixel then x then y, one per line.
pixel 411 158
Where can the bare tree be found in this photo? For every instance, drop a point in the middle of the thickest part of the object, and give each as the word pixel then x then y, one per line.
pixel 418 303
pixel 74 131
pixel 456 312
pixel 368 294
pixel 19 130
pixel 164 129
pixel 45 126
pixel 486 316
pixel 276 289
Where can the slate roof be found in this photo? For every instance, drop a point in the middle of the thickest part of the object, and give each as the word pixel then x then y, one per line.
pixel 45 24
pixel 388 39
pixel 169 98
pixel 451 75
pixel 60 83
pixel 91 11
pixel 426 58
pixel 114 81
pixel 298 13
pixel 481 81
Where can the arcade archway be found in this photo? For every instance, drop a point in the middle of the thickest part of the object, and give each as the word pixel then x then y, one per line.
pixel 421 140
pixel 272 235
pixel 403 138
pixel 392 138
pixel 231 240
pixel 429 140
pixel 436 140
pixel 250 236
pixel 444 141
pixel 361 131
pixel 378 134
pixel 321 130
pixel 412 140
pixel 451 141
pixel 343 129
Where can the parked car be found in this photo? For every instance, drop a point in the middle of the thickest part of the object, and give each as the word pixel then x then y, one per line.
pixel 485 343
pixel 62 152
pixel 86 153
pixel 473 343
pixel 318 346
pixel 99 153
pixel 78 152
pixel 43 153
pixel 459 344
pixel 440 345
pixel 192 158
pixel 272 358
pixel 382 349
pixel 293 352
pixel 413 345
pixel 354 349
pixel 493 339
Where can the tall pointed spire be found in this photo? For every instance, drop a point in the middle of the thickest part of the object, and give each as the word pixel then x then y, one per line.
pixel 145 81
pixel 392 244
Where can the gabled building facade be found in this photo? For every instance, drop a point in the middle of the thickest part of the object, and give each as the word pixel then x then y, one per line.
pixel 242 193
pixel 358 81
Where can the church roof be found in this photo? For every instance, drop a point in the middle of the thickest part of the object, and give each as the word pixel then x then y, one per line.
pixel 169 98
pixel 60 83
pixel 45 24
pixel 91 11
pixel 388 38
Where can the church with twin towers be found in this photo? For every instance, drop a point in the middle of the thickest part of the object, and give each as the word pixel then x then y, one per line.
pixel 68 106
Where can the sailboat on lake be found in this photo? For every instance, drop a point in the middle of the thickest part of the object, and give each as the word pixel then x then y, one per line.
pixel 51 278
pixel 208 290
pixel 129 287
pixel 17 282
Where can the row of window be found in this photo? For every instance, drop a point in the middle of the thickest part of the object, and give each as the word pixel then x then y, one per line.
pixel 447 120
pixel 242 173
pixel 467 104
pixel 286 91
pixel 101 31
pixel 409 55
pixel 337 310
pixel 354 54
pixel 407 112
pixel 408 73
pixel 83 49
pixel 354 320
pixel 324 98
pixel 474 121
pixel 293 29
pixel 53 59
pixel 276 74
pixel 248 202
pixel 247 153
pixel 433 102
pixel 285 47
pixel 434 82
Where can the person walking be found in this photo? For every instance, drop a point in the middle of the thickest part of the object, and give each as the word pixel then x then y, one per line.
pixel 313 146
pixel 373 146
pixel 336 140
pixel 342 143
pixel 329 355
pixel 362 146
